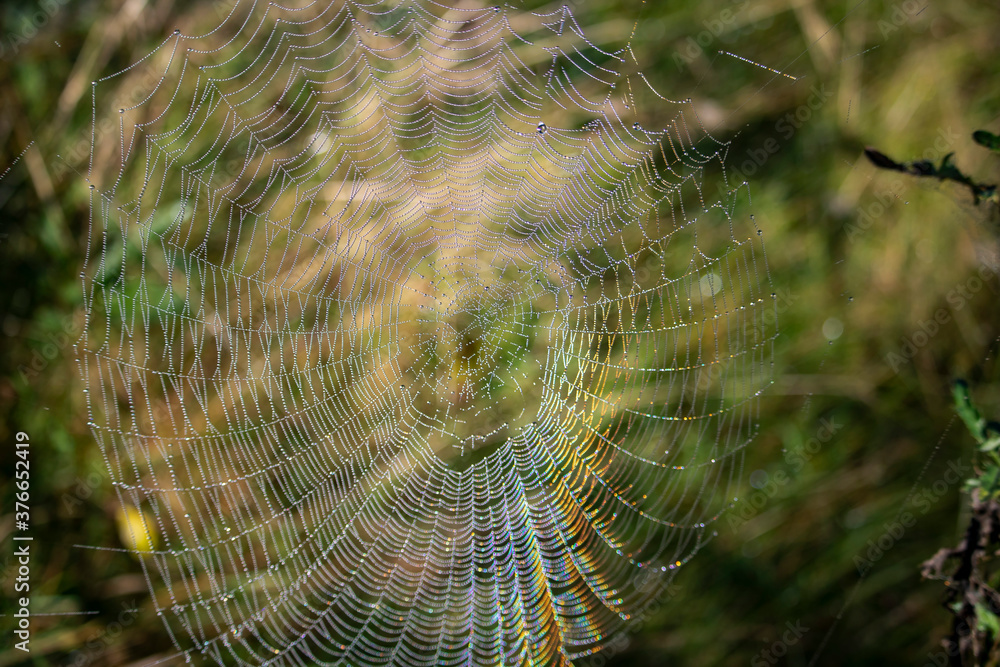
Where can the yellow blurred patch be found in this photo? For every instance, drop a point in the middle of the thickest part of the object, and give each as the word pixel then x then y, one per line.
pixel 136 529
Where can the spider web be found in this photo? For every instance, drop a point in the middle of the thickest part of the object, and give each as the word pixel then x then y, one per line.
pixel 408 341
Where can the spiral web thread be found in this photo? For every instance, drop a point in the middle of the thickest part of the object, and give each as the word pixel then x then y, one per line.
pixel 408 343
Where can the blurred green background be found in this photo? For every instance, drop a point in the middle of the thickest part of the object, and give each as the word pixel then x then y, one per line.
pixel 857 428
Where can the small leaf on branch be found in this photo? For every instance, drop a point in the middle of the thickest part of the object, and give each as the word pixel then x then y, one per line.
pixel 987 139
pixel 882 160
pixel 967 411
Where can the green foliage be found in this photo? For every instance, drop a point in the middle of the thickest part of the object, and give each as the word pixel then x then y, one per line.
pixel 987 620
pixel 987 436
pixel 971 596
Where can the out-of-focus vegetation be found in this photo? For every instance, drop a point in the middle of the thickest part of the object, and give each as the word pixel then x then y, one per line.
pixel 887 289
